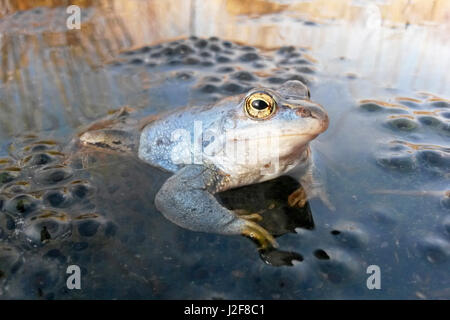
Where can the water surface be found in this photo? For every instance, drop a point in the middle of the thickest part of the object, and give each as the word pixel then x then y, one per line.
pixel 380 70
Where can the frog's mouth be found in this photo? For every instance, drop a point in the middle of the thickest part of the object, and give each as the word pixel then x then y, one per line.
pixel 280 145
pixel 308 130
pixel 290 142
pixel 289 135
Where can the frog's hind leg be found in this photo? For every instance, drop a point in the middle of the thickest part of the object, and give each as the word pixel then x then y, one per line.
pixel 187 199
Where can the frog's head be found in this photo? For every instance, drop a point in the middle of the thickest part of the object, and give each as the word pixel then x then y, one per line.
pixel 268 126
pixel 286 111
pixel 287 114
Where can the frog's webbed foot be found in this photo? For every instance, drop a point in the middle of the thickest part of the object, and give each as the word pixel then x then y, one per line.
pixel 258 234
pixel 187 199
pixel 252 230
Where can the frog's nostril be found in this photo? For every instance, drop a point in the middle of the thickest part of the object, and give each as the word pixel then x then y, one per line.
pixel 303 112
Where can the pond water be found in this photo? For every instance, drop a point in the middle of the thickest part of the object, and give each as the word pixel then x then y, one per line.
pixel 379 68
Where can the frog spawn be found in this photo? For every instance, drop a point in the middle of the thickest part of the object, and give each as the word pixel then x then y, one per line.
pixel 419 148
pixel 413 121
pixel 405 116
pixel 61 217
pixel 216 68
pixel 44 201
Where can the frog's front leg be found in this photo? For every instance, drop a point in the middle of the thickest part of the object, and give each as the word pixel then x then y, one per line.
pixel 187 199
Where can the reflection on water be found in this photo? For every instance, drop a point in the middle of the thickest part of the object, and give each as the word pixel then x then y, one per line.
pixel 46 67
pixel 379 68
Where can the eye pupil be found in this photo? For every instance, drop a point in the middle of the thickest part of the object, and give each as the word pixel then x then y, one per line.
pixel 259 104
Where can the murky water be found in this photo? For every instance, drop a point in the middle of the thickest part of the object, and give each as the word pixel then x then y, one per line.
pixel 379 68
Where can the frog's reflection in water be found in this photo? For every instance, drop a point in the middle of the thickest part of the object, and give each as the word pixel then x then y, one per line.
pixel 270 200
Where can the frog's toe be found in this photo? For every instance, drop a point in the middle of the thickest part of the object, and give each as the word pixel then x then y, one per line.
pixel 241 212
pixel 255 217
pixel 298 198
pixel 257 233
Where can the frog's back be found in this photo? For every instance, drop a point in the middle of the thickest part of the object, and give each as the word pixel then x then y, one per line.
pixel 178 138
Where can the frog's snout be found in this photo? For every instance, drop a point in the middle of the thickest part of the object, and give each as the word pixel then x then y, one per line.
pixel 296 96
pixel 306 109
pixel 303 112
pixel 317 112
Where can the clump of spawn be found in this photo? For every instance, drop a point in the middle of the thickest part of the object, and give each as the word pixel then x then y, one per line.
pixel 70 208
pixel 45 203
pixel 420 128
pixel 216 68
pixel 419 152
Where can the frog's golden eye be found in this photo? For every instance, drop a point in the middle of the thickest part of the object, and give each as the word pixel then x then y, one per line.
pixel 259 105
